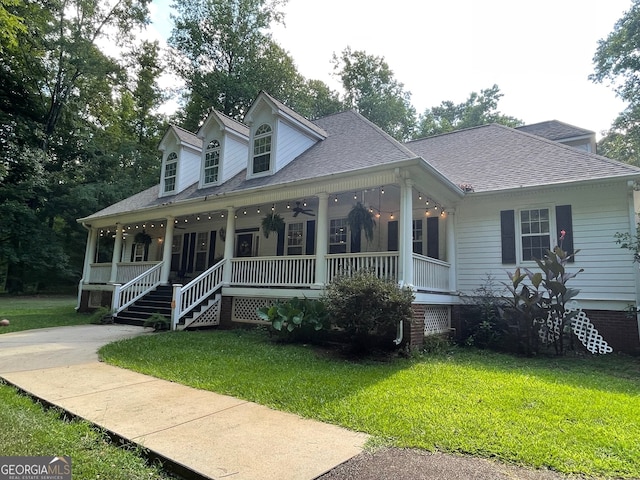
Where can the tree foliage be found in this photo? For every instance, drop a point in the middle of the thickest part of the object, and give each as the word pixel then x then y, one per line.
pixel 76 129
pixel 371 88
pixel 478 109
pixel 616 61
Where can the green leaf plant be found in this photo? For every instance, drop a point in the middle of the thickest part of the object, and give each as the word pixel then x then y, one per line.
pixel 538 308
pixel 296 319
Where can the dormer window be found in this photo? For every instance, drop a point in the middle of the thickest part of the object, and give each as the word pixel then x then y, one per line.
pixel 262 149
pixel 170 172
pixel 212 162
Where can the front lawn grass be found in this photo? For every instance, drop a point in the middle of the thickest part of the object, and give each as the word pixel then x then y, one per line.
pixel 576 415
pixel 28 312
pixel 29 430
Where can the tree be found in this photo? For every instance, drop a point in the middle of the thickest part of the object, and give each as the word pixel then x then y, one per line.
pixel 10 25
pixel 371 89
pixel 226 55
pixel 60 97
pixel 616 61
pixel 478 109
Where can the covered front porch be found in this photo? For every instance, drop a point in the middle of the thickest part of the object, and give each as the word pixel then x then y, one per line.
pixel 204 252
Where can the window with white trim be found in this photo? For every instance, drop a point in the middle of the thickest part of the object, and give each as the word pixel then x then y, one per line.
pixel 170 172
pixel 535 233
pixel 417 236
pixel 338 235
pixel 294 238
pixel 262 149
pixel 212 162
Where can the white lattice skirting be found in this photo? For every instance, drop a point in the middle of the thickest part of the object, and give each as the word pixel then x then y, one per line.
pixel 581 326
pixel 437 319
pixel 244 309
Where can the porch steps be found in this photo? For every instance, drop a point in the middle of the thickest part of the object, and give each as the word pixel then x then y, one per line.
pixel 157 301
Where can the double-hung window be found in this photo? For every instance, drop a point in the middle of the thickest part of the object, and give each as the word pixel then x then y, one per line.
pixel 262 149
pixel 294 238
pixel 170 172
pixel 338 235
pixel 535 233
pixel 212 162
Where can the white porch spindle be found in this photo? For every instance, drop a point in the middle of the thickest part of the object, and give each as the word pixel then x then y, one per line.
pixel 406 233
pixel 117 253
pixel 229 245
pixel 322 239
pixel 451 250
pixel 166 250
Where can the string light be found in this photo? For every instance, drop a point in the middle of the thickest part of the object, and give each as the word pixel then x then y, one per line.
pixel 304 202
pixel 419 196
pixel 244 212
pixel 382 190
pixel 355 196
pixel 273 207
pixel 258 210
pixel 335 199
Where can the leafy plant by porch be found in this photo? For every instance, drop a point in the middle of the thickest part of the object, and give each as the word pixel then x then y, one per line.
pixel 368 308
pixel 297 319
pixel 572 414
pixel 272 222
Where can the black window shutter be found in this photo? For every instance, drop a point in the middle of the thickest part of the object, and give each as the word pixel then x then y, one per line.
pixel 212 248
pixel 392 240
pixel 564 222
pixel 310 241
pixel 280 244
pixel 433 237
pixel 508 236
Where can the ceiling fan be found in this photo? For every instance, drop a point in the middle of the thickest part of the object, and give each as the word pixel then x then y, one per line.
pixel 306 211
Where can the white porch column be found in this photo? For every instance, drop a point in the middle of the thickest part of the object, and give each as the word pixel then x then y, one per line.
pixel 89 253
pixel 166 250
pixel 406 233
pixel 117 253
pixel 229 245
pixel 322 240
pixel 451 249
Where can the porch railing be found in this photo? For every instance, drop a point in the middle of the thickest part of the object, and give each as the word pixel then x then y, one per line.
pixel 99 273
pixel 126 271
pixel 138 287
pixel 189 296
pixel 293 271
pixel 430 274
pixel 382 264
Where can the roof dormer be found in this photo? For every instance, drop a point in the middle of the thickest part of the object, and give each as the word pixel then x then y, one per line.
pixel 277 136
pixel 181 151
pixel 225 148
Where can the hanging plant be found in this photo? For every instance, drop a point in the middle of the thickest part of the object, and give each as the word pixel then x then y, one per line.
pixel 142 237
pixel 359 219
pixel 272 223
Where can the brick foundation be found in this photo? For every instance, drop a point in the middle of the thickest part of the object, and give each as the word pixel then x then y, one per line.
pixel 618 328
pixel 414 330
pixel 226 307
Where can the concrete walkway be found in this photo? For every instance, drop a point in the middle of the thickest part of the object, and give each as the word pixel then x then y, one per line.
pixel 209 435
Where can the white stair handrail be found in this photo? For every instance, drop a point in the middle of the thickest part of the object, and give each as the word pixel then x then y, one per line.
pixel 135 289
pixel 189 296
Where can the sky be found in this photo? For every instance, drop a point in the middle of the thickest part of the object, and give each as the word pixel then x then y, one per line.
pixel 540 54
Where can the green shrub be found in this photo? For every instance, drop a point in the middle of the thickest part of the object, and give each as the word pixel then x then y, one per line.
pixel 158 321
pixel 484 324
pixel 299 320
pixel 368 308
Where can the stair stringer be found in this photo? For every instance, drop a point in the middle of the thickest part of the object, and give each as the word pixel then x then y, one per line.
pixel 208 316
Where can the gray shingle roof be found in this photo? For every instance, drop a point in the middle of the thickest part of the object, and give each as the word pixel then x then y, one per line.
pixel 555 130
pixel 495 157
pixel 229 123
pixel 293 114
pixel 352 143
pixel 187 137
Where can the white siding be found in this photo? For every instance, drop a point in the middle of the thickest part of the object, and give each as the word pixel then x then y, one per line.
pixel 598 213
pixel 234 158
pixel 290 143
pixel 188 168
